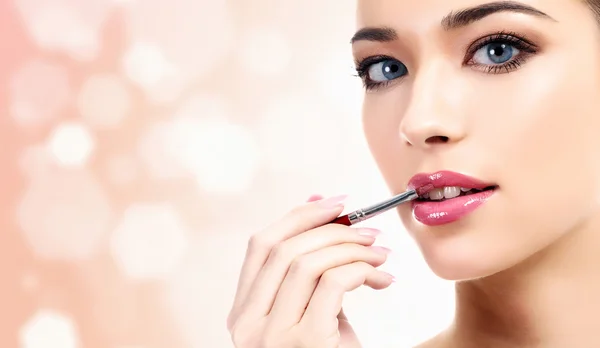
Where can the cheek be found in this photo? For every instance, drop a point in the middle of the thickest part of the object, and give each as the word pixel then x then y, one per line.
pixel 539 136
pixel 381 124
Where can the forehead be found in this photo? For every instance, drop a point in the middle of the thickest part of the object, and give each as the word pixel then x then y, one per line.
pixel 425 14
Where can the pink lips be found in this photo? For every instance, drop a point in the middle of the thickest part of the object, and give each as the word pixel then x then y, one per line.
pixel 434 213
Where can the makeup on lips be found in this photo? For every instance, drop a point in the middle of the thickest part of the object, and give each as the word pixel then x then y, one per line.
pixel 446 196
pixel 438 199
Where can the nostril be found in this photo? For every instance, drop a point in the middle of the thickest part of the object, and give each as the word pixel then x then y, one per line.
pixel 438 139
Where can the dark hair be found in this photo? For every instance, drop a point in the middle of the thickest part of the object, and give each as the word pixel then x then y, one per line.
pixel 595 7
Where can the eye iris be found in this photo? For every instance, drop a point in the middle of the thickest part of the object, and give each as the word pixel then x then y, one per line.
pixel 392 70
pixel 500 52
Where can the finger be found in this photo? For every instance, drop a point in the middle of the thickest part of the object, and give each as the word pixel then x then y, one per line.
pixel 326 301
pixel 304 274
pixel 269 280
pixel 244 271
pixel 300 219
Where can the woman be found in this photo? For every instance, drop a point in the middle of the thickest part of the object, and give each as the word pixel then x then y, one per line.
pixel 464 93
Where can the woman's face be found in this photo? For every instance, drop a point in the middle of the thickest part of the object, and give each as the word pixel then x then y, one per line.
pixel 506 93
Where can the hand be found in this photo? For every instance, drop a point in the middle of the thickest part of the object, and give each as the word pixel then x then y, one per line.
pixel 295 275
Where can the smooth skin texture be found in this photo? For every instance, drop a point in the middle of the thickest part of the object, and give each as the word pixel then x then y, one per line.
pixel 295 275
pixel 526 261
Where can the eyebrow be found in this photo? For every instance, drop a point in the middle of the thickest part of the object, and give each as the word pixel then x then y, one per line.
pixel 454 20
pixel 467 16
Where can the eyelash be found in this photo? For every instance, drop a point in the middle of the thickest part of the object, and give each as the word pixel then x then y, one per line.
pixel 526 48
pixel 362 71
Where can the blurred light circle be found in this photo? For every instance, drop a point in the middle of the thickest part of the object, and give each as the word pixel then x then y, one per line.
pixel 49 329
pixel 182 41
pixel 71 144
pixel 68 26
pixel 146 64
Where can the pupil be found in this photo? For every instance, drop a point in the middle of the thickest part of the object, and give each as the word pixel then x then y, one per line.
pixel 497 51
pixel 392 68
pixel 500 53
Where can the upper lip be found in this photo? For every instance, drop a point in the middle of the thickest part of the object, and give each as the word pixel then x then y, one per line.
pixel 425 182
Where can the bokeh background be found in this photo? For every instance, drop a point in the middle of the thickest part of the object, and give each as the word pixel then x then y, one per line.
pixel 144 141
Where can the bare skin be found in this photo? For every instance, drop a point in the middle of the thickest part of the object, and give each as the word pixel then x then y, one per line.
pixel 295 275
pixel 509 97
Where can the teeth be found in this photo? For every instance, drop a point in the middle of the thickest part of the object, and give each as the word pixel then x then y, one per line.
pixel 436 194
pixel 445 192
pixel 451 192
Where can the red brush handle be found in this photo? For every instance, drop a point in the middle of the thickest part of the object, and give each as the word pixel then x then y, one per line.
pixel 342 220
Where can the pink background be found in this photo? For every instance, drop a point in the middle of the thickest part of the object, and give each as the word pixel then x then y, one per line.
pixel 144 141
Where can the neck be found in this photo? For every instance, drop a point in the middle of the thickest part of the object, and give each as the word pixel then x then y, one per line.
pixel 551 300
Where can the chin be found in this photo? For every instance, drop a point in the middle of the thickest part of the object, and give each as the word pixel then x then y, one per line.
pixel 464 254
pixel 459 268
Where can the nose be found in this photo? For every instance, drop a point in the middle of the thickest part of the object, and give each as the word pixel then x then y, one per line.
pixel 433 117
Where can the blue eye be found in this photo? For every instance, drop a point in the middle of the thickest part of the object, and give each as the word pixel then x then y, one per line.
pixel 495 53
pixel 386 70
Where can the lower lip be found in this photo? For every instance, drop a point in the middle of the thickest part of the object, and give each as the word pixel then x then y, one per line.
pixel 432 213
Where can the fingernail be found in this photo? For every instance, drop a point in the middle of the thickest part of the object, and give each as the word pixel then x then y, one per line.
pixel 333 202
pixel 392 278
pixel 314 198
pixel 381 250
pixel 368 232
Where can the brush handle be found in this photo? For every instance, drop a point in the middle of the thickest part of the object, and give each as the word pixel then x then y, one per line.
pixel 376 209
pixel 342 220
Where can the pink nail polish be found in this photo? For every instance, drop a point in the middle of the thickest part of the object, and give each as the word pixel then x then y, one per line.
pixel 381 250
pixel 368 232
pixel 314 198
pixel 333 202
pixel 392 278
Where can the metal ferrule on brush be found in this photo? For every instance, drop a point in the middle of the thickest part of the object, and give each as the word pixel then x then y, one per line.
pixel 376 209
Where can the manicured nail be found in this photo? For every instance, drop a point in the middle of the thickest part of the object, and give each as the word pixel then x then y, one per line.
pixel 333 202
pixel 368 232
pixel 381 250
pixel 314 198
pixel 392 278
